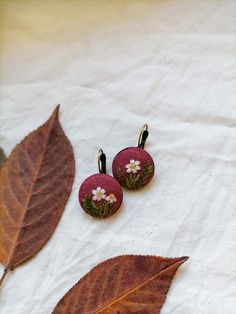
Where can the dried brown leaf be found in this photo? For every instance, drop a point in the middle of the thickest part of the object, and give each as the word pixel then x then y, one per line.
pixel 122 285
pixel 2 157
pixel 35 183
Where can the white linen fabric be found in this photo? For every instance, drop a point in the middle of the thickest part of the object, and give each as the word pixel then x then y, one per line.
pixel 113 66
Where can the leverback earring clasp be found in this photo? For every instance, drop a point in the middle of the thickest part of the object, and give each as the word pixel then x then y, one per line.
pixel 143 136
pixel 101 161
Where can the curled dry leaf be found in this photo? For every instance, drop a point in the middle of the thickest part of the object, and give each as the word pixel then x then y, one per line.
pixel 35 183
pixel 2 157
pixel 122 285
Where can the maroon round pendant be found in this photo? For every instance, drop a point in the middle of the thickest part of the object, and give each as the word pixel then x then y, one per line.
pixel 100 195
pixel 133 167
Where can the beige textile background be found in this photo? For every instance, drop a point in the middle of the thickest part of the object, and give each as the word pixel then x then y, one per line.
pixel 113 66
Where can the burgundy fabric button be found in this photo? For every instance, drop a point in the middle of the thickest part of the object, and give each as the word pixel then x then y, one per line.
pixel 133 167
pixel 100 195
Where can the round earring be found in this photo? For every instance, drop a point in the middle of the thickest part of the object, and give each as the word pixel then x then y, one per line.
pixel 100 195
pixel 133 167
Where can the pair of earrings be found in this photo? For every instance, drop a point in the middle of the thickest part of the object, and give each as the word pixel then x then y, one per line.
pixel 101 195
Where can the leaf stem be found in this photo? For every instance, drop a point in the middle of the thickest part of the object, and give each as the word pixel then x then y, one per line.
pixel 6 270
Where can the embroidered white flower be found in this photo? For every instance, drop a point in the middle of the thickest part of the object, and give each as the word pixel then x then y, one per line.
pixel 133 166
pixel 99 194
pixel 111 198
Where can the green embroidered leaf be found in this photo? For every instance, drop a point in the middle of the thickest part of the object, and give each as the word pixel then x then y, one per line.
pixel 148 168
pixel 128 185
pixel 137 177
pixel 137 180
pixel 101 210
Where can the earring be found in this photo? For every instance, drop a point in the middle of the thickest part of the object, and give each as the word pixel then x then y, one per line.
pixel 100 195
pixel 133 167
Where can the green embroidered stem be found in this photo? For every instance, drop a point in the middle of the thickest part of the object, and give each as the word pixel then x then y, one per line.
pixel 148 168
pixel 134 181
pixel 96 209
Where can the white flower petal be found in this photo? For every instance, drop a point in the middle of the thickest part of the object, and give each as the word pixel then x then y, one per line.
pixel 134 170
pixel 94 192
pixel 132 161
pixel 103 196
pixel 99 188
pixel 103 191
pixel 137 162
pixel 128 170
pixel 127 166
pixel 94 198
pixel 138 167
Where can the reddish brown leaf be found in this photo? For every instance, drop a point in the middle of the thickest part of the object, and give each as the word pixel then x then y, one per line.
pixel 122 285
pixel 35 183
pixel 2 157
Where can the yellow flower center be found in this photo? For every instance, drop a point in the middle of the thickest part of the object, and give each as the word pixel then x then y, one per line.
pixel 99 194
pixel 133 165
